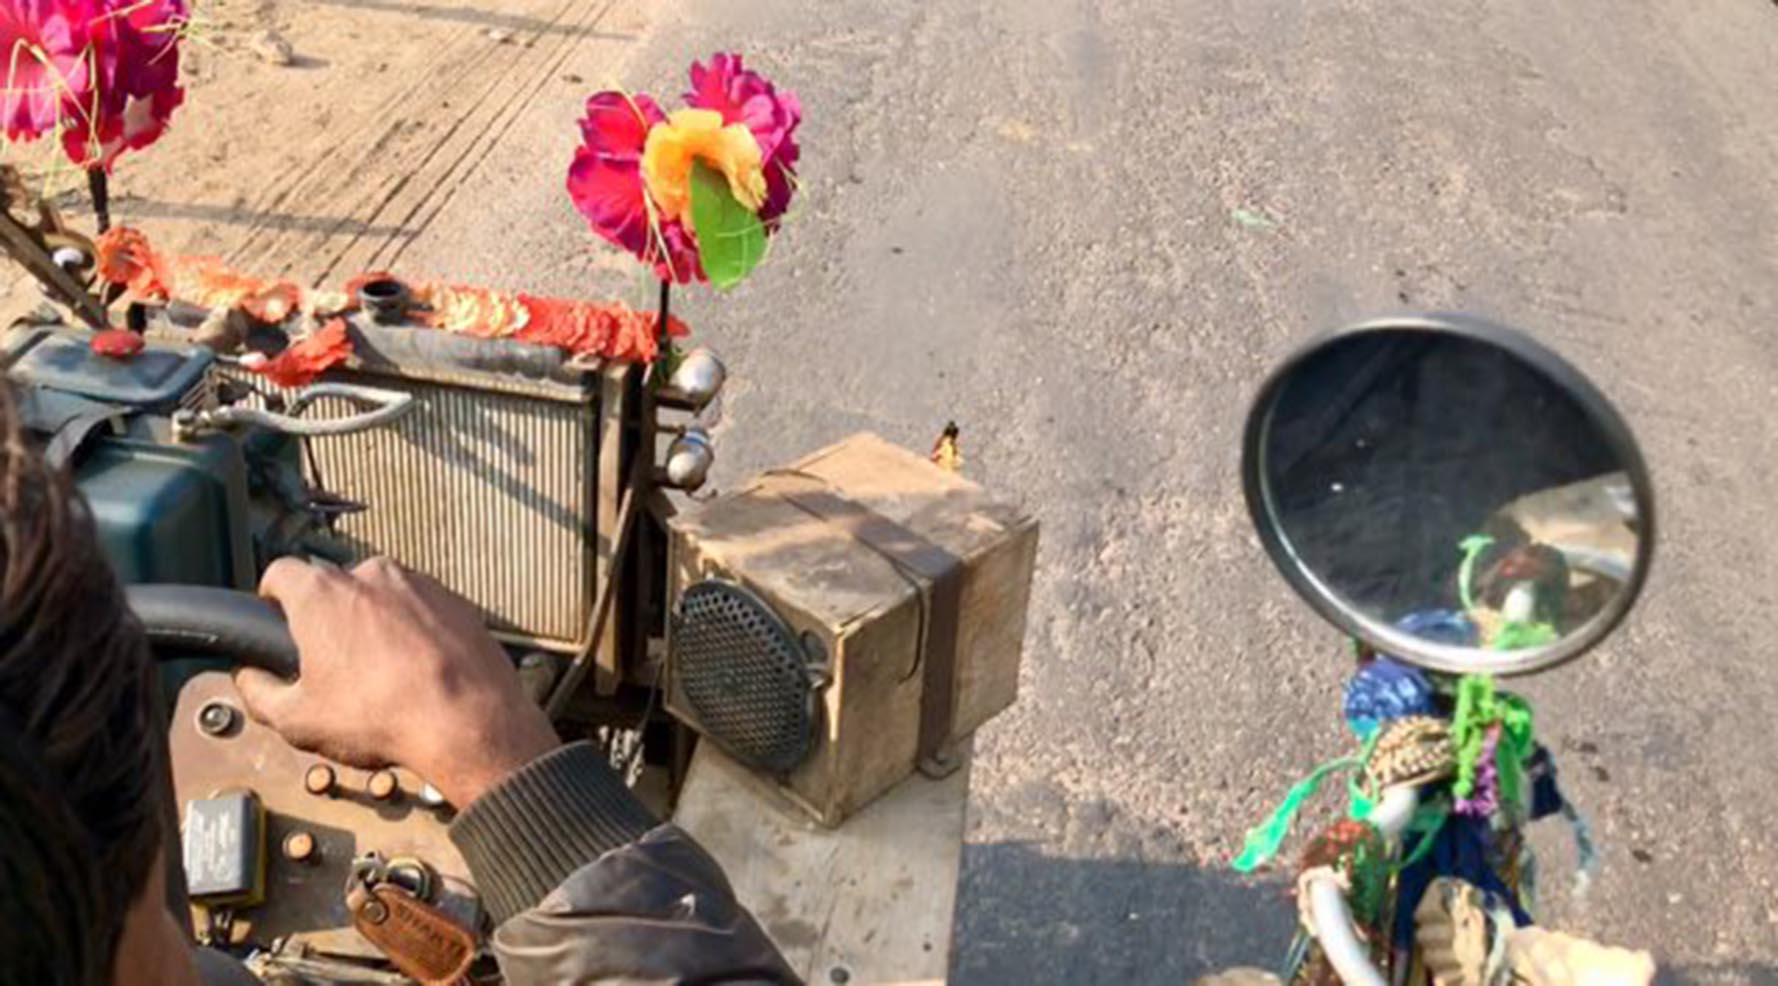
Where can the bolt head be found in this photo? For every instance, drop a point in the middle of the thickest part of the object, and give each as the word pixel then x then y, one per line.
pixel 218 719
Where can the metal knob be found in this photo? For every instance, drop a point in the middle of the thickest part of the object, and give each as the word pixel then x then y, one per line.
pixel 299 847
pixel 319 779
pixel 383 785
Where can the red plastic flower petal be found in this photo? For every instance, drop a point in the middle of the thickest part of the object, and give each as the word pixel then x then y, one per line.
pixel 310 356
pixel 605 180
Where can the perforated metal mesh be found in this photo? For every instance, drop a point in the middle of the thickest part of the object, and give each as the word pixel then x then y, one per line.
pixel 745 676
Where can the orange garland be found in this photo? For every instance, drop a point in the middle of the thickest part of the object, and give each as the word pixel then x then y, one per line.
pixel 607 330
pixel 611 330
pixel 480 312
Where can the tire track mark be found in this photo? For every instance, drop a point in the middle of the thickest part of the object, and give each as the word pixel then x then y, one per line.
pixel 290 179
pixel 365 253
pixel 422 121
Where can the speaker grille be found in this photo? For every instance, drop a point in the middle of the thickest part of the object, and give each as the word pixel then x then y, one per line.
pixel 745 676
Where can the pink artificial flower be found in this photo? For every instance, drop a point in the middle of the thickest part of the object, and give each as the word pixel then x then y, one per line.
pixel 102 73
pixel 742 95
pixel 605 182
pixel 46 45
pixel 138 99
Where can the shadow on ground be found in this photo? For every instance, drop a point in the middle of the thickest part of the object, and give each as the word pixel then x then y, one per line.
pixel 471 14
pixel 1026 918
pixel 136 207
pixel 1715 973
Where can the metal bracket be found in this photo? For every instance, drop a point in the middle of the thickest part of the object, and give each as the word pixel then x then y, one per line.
pixel 34 243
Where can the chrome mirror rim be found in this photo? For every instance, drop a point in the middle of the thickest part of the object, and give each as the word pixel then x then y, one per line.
pixel 1384 637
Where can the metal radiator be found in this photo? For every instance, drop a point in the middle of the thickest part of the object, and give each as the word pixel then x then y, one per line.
pixel 492 485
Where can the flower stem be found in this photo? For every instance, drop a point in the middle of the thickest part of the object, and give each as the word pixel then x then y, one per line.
pixel 99 184
pixel 663 358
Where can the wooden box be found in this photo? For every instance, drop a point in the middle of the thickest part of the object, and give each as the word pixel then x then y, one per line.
pixel 896 568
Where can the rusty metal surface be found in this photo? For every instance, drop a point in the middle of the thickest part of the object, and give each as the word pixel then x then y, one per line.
pixel 307 899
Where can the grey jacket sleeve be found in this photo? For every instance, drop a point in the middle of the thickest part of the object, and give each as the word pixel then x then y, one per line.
pixel 586 887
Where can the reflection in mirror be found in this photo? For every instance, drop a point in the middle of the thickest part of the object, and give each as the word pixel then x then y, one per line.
pixel 1447 487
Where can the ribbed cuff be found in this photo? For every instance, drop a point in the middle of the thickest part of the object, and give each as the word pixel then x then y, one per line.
pixel 534 829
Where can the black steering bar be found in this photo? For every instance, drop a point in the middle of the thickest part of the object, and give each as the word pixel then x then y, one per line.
pixel 203 621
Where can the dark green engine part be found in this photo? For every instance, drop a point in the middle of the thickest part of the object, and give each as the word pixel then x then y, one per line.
pixel 167 510
pixel 197 509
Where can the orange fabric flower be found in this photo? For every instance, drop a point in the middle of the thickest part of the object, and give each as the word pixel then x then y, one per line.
pixel 126 259
pixel 275 302
pixel 208 283
pixel 689 136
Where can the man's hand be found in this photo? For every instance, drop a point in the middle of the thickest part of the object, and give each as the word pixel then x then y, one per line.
pixel 396 669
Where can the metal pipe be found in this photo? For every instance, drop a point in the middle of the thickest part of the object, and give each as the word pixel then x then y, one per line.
pixel 389 405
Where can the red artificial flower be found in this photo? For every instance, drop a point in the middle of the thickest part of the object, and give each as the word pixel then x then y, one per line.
pixel 144 91
pixel 126 259
pixel 605 182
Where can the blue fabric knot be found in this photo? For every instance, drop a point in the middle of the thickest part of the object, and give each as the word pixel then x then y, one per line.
pixel 1384 690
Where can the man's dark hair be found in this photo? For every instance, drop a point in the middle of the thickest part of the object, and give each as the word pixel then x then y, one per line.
pixel 81 798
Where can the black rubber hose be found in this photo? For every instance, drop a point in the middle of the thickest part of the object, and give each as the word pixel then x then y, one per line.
pixel 203 621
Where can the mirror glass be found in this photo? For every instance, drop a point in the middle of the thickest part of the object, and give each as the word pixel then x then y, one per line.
pixel 1453 494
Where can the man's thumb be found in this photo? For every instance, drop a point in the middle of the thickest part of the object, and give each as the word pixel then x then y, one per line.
pixel 267 696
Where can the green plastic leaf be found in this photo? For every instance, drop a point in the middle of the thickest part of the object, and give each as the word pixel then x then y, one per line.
pixel 731 240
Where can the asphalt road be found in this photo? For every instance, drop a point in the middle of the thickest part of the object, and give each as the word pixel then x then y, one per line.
pixel 1084 229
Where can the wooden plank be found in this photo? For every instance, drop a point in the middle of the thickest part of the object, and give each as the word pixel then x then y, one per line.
pixel 874 897
pixel 612 396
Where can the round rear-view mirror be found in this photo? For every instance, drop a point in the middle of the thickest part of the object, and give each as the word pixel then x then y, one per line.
pixel 1451 493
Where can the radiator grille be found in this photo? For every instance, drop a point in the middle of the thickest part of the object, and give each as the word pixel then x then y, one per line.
pixel 493 494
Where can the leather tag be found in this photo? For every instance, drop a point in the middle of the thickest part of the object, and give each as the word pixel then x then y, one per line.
pixel 419 939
